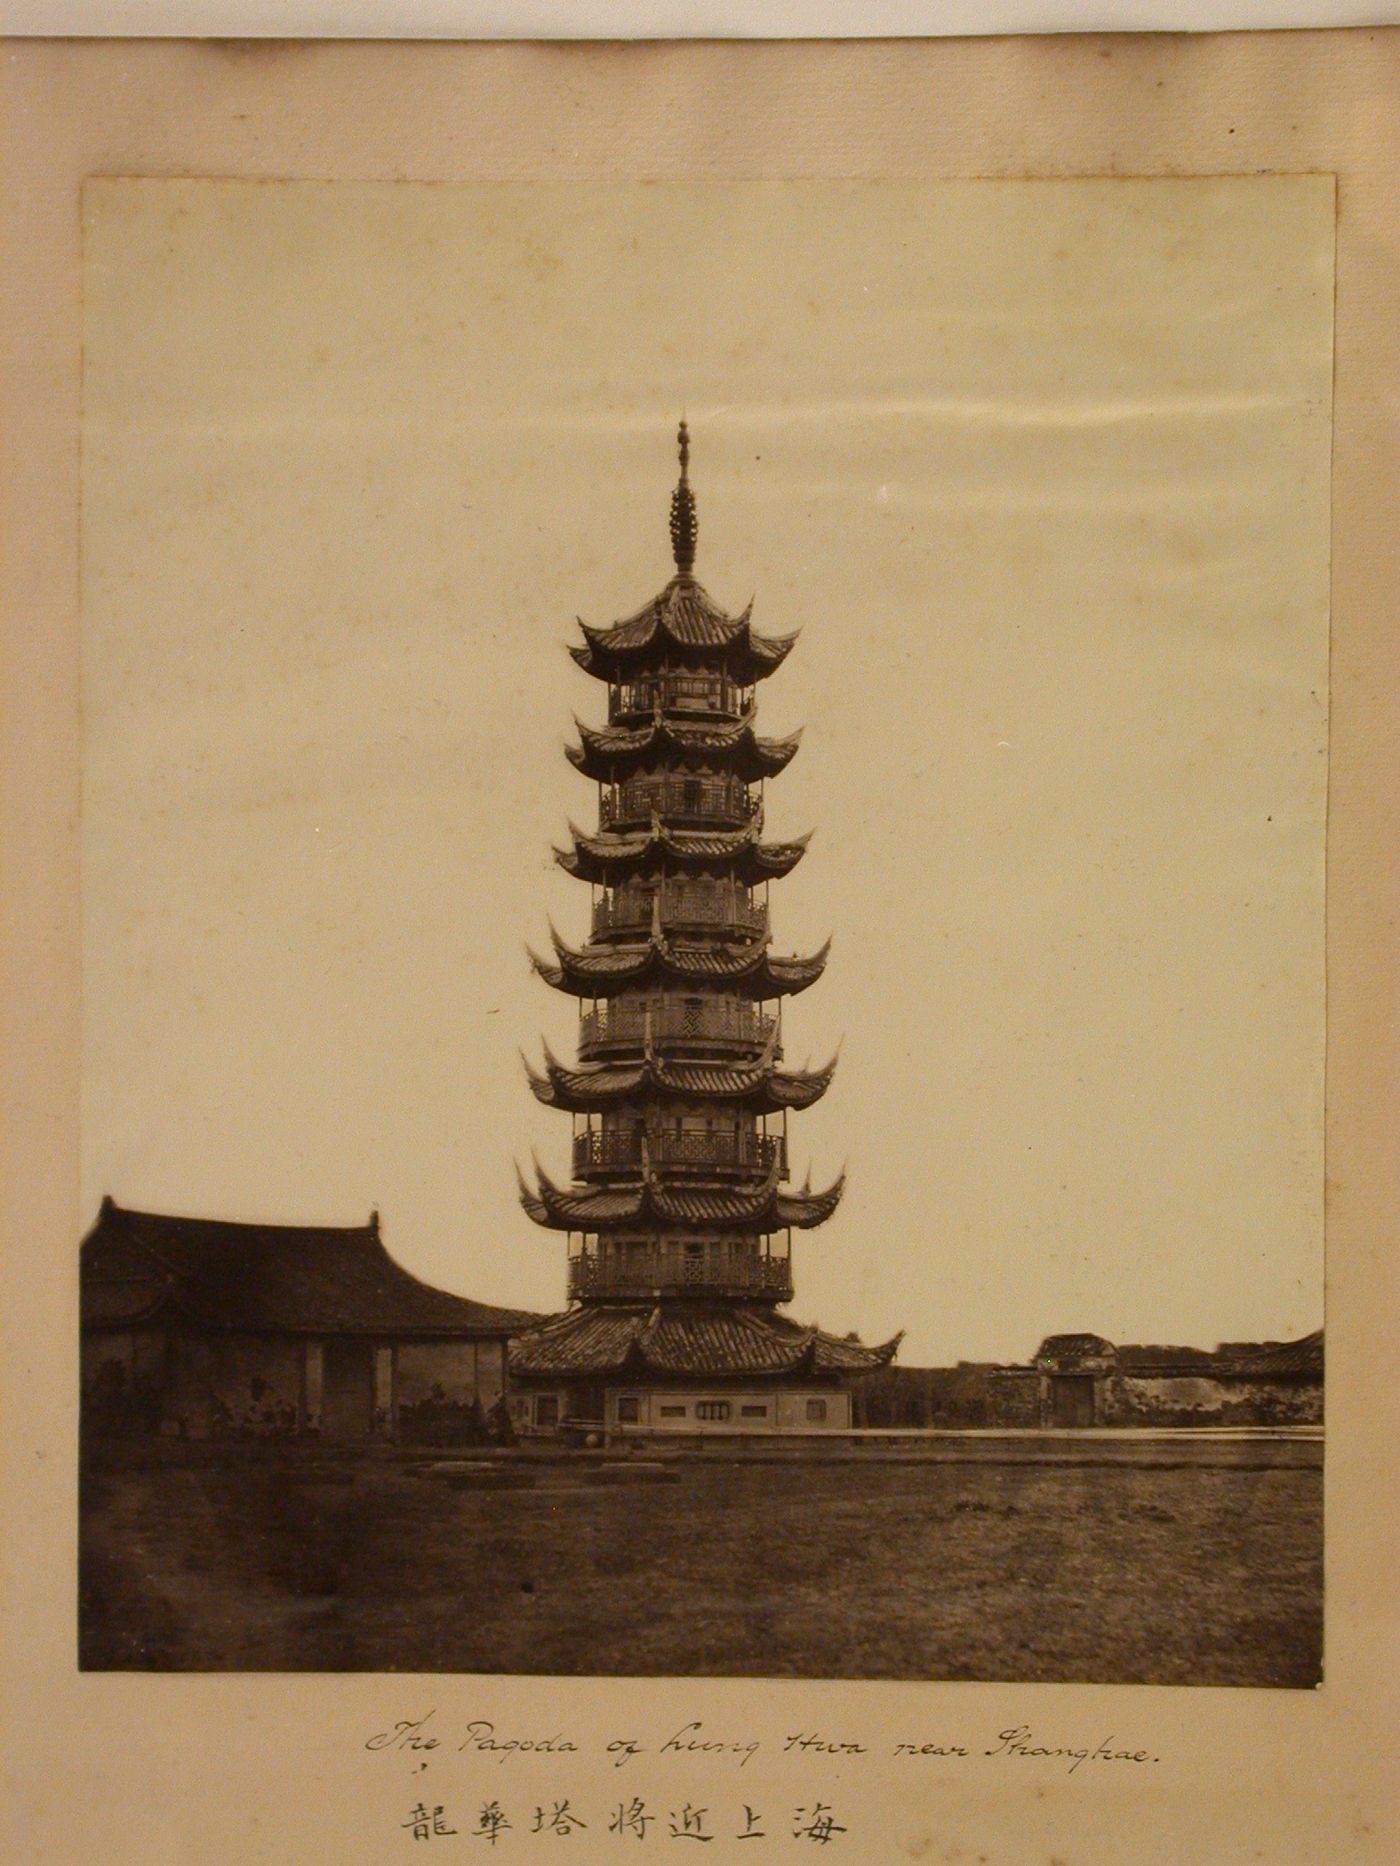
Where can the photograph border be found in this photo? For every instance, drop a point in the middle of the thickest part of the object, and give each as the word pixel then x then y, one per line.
pixel 1237 1774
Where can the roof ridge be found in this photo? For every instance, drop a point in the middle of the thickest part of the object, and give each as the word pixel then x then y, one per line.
pixel 111 1209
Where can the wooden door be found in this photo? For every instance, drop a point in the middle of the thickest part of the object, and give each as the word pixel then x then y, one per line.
pixel 1072 1399
pixel 347 1388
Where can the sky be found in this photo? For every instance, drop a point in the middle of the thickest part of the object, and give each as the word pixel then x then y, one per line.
pixel 1039 469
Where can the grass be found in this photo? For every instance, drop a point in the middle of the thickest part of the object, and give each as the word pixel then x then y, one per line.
pixel 1208 1574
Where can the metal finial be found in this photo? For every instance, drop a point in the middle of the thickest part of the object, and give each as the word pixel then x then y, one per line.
pixel 684 524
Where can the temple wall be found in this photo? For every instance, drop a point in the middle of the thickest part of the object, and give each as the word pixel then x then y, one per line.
pixel 829 1409
pixel 1148 1399
pixel 1013 1399
pixel 436 1371
pixel 236 1384
pixel 979 1395
pixel 730 1409
pixel 123 1379
pixel 693 1410
pixel 972 1394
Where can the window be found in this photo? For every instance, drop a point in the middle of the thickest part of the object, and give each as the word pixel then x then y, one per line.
pixel 673 1412
pixel 629 1409
pixel 753 1412
pixel 712 1409
pixel 816 1412
pixel 547 1409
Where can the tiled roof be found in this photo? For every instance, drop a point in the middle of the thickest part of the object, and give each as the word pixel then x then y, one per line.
pixel 610 751
pixel 297 1278
pixel 582 971
pixel 581 1341
pixel 1231 1360
pixel 684 615
pixel 762 1086
pixel 764 1207
pixel 608 856
pixel 1073 1344
pixel 685 610
pixel 689 1339
pixel 1303 1357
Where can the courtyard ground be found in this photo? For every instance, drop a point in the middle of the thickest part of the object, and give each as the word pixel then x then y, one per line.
pixel 1127 1561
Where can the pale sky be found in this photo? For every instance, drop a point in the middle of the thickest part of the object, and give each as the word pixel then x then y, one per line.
pixel 1040 470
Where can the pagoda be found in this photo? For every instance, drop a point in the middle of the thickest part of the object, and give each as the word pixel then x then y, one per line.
pixel 679 1214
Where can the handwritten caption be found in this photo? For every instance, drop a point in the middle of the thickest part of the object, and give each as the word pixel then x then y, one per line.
pixel 417 1738
pixel 817 1823
pixel 483 1739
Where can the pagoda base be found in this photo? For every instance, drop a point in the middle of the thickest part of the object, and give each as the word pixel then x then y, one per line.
pixel 638 1410
pixel 684 1367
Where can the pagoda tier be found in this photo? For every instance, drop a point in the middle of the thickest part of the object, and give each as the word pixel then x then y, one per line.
pixel 758 1087
pixel 684 625
pixel 757 1209
pixel 612 856
pixel 688 1340
pixel 748 971
pixel 610 753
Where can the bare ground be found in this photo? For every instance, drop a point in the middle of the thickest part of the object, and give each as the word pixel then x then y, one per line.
pixel 1113 1572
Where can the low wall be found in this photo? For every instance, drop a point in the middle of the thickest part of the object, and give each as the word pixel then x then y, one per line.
pixel 970 1395
pixel 983 1396
pixel 1178 1399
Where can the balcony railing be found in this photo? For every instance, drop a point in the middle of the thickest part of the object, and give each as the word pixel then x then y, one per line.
pixel 605 1149
pixel 685 906
pixel 677 693
pixel 704 1024
pixel 714 1271
pixel 722 800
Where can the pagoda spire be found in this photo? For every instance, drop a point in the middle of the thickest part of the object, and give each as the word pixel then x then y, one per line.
pixel 684 524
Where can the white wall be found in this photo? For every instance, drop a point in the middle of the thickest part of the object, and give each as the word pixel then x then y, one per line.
pixel 683 1409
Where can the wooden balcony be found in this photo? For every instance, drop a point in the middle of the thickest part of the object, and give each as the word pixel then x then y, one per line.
pixel 709 695
pixel 692 1027
pixel 686 907
pixel 608 1150
pixel 720 802
pixel 715 1271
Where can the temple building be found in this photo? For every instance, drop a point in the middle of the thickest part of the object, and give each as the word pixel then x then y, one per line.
pixel 679 1215
pixel 200 1328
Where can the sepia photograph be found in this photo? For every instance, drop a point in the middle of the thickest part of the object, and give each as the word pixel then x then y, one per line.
pixel 703 823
